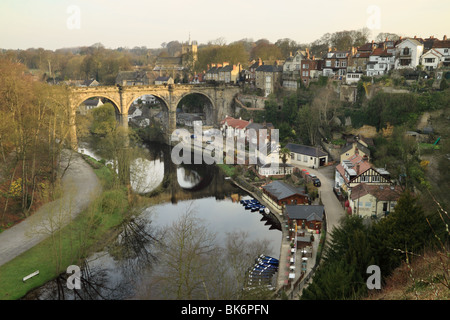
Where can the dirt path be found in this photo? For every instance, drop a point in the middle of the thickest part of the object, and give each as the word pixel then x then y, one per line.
pixel 79 183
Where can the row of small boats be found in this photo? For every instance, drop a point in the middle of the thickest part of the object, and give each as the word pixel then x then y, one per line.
pixel 263 269
pixel 253 205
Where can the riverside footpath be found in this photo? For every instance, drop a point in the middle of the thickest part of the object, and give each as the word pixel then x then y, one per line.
pixel 79 186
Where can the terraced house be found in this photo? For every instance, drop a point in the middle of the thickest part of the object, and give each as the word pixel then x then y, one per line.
pixel 268 77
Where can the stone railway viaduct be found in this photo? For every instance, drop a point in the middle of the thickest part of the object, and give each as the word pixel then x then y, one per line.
pixel 221 98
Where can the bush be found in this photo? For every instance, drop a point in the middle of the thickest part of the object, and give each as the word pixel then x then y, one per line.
pixel 113 201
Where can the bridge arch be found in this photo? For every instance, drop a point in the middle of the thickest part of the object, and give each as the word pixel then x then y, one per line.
pixel 76 103
pixel 208 110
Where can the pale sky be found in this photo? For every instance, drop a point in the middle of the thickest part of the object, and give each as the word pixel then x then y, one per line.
pixel 53 24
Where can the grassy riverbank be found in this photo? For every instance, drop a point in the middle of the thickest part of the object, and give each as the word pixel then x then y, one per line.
pixel 70 244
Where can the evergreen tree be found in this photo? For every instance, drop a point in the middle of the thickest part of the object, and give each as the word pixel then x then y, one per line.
pixel 404 230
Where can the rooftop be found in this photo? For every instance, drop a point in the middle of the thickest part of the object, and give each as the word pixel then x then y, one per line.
pixel 305 212
pixel 380 192
pixel 282 190
pixel 307 150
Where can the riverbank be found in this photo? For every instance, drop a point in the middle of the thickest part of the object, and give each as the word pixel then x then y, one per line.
pixel 63 241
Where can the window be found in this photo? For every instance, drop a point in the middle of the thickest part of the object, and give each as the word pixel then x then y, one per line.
pixel 328 63
pixel 368 204
pixel 364 178
pixel 429 60
pixel 375 178
pixel 305 158
pixel 406 51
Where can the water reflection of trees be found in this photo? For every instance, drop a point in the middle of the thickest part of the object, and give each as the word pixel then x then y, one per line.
pixel 192 265
pixel 135 247
pixel 93 286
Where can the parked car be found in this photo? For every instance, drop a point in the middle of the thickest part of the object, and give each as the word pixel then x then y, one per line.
pixel 316 182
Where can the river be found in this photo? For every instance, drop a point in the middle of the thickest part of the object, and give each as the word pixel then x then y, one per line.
pixel 199 189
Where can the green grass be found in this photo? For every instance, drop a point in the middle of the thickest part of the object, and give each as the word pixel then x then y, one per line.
pixel 229 170
pixel 75 240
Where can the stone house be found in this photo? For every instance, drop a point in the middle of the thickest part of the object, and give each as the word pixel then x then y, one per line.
pixel 134 78
pixel 268 78
pixel 354 148
pixel 163 80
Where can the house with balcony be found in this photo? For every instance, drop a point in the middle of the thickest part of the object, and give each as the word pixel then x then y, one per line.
pixel 407 53
pixel 336 63
pixel 292 70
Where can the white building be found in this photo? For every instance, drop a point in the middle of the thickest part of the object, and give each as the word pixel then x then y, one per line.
pixel 408 53
pixel 306 156
pixel 431 60
pixel 380 62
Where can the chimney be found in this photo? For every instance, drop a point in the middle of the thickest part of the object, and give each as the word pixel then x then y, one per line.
pixel 415 37
pixel 365 158
pixel 357 169
pixel 445 38
pixel 259 62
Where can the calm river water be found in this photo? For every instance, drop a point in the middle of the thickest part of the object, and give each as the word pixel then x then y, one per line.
pixel 205 192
